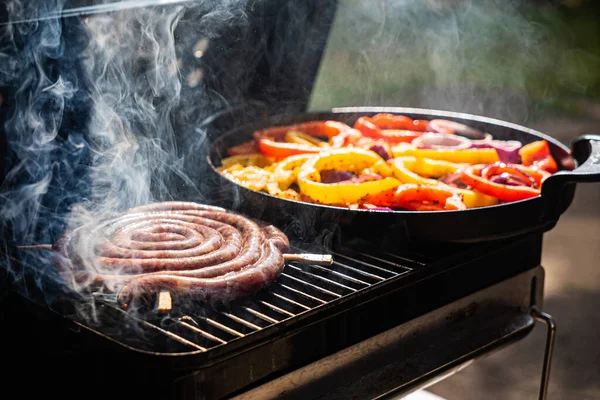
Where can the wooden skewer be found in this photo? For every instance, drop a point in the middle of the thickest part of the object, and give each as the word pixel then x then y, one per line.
pixel 304 258
pixel 165 302
pixel 318 259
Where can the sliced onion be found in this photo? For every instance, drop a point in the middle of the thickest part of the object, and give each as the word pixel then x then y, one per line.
pixel 454 180
pixel 451 127
pixel 441 141
pixel 509 179
pixel 381 151
pixel 335 176
pixel 508 150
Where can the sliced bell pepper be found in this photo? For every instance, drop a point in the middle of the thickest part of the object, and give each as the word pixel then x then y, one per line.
pixel 281 150
pixel 404 170
pixel 269 145
pixel 418 197
pixel 537 154
pixel 370 129
pixel 313 128
pixel 466 156
pixel 355 159
pixel 286 171
pixel 345 138
pixel 393 121
pixel 478 178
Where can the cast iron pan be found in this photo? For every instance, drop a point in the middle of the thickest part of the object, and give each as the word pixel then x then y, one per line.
pixel 304 220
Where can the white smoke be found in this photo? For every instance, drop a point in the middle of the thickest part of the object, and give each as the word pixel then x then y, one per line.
pixel 88 116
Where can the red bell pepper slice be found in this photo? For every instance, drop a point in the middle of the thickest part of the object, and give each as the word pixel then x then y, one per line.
pixel 393 121
pixel 478 177
pixel 537 154
pixel 279 150
pixel 369 128
pixel 418 197
pixel 269 146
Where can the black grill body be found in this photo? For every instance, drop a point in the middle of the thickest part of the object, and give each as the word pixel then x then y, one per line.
pixel 310 313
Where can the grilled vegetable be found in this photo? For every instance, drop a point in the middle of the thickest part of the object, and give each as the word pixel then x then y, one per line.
pixel 467 156
pixel 393 121
pixel 537 154
pixel 389 160
pixel 508 182
pixel 411 170
pixel 269 144
pixel 418 197
pixel 368 127
pixel 353 160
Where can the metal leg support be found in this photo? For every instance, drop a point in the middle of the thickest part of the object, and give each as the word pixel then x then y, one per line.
pixel 551 326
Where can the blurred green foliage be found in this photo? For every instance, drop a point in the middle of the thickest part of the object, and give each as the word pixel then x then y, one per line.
pixel 483 56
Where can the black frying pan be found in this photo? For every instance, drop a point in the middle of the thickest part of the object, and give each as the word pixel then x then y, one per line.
pixel 472 225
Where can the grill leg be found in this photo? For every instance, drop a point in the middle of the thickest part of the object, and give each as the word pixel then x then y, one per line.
pixel 551 333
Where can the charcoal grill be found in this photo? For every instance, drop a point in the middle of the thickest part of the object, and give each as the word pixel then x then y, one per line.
pixel 380 323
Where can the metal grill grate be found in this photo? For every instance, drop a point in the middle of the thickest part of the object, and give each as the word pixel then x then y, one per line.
pixel 299 289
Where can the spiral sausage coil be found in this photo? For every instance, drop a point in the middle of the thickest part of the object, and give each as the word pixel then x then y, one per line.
pixel 189 249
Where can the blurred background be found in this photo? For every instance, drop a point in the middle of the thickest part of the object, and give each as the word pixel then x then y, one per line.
pixel 534 63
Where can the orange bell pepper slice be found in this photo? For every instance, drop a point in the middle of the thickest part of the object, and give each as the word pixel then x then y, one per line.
pixel 537 154
pixel 418 197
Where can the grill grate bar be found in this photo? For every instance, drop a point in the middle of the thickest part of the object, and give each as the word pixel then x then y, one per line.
pixel 328 292
pixel 223 327
pixel 261 315
pixel 386 272
pixel 242 321
pixel 201 332
pixel 322 278
pixel 358 271
pixel 279 310
pixel 174 336
pixel 387 261
pixel 343 276
pixel 301 293
pixel 279 296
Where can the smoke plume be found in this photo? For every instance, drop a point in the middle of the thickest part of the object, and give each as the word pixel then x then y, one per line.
pixel 88 116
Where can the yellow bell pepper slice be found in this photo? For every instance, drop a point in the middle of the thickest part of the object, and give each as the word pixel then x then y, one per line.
pixel 349 159
pixel 434 168
pixel 467 156
pixel 286 171
pixel 404 167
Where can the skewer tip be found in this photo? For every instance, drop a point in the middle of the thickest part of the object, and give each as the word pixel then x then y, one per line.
pixel 319 259
pixel 165 302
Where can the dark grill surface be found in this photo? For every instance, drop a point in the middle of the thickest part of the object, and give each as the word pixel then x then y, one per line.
pixel 299 289
pixel 309 313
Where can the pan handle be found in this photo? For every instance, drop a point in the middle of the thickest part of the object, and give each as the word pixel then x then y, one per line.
pixel 586 150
